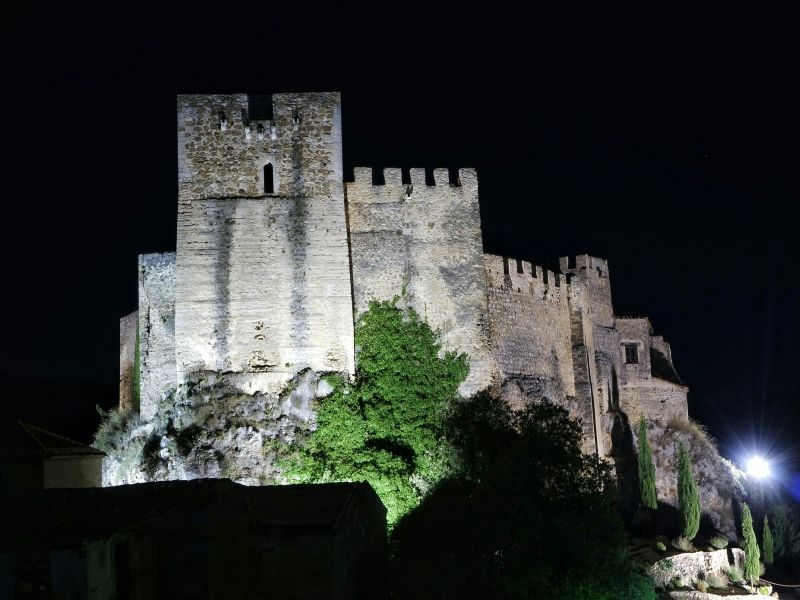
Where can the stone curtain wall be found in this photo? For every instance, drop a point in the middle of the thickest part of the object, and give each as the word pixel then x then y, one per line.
pixel 641 393
pixel 127 354
pixel 156 329
pixel 428 244
pixel 530 327
pixel 264 288
pixel 657 399
pixel 263 281
pixel 217 163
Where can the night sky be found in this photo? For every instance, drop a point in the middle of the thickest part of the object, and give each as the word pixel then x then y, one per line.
pixel 669 148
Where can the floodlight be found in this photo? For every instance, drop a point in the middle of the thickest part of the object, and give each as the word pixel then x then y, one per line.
pixel 758 467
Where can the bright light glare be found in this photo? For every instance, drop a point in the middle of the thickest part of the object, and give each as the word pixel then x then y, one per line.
pixel 758 467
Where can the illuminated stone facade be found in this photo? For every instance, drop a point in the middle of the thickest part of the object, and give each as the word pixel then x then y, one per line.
pixel 276 253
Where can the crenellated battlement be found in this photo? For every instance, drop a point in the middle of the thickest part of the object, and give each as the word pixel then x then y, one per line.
pixel 416 176
pixel 584 265
pixel 230 146
pixel 523 277
pixel 390 185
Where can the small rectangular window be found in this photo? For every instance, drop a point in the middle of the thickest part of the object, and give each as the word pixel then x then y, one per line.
pixel 631 354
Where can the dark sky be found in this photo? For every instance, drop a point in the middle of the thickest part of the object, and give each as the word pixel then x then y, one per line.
pixel 668 146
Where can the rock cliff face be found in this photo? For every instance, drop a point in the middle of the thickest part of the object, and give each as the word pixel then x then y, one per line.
pixel 686 569
pixel 209 428
pixel 718 480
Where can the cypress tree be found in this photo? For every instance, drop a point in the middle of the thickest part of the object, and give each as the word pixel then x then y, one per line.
pixel 688 496
pixel 769 557
pixel 751 553
pixel 647 471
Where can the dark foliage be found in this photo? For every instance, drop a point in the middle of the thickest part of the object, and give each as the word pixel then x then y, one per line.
pixel 688 495
pixel 647 470
pixel 526 515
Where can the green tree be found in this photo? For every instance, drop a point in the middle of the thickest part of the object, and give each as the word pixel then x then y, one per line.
pixel 769 557
pixel 524 514
pixel 786 533
pixel 385 427
pixel 751 552
pixel 688 495
pixel 647 471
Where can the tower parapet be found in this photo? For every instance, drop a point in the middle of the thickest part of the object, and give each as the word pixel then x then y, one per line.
pixel 424 241
pixel 224 153
pixel 593 272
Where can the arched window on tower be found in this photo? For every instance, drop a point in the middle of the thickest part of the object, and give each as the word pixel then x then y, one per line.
pixel 269 185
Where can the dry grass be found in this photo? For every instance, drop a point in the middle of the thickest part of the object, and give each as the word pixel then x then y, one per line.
pixel 698 431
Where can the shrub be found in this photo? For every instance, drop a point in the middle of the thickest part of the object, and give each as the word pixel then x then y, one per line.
pixel 750 546
pixel 698 431
pixel 718 542
pixel 682 543
pixel 688 495
pixel 386 426
pixel 661 547
pixel 115 425
pixel 764 590
pixel 716 580
pixel 701 585
pixel 734 573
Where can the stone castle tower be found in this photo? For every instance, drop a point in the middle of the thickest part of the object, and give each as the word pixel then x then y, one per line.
pixel 276 253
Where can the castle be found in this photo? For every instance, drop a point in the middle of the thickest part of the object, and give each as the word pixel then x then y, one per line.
pixel 276 253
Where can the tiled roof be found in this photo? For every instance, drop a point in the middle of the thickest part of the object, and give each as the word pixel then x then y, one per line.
pixel 70 516
pixel 23 439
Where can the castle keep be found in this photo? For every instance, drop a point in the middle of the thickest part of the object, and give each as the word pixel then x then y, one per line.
pixel 275 255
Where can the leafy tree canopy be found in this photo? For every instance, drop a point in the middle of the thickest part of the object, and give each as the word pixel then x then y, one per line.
pixel 385 426
pixel 525 514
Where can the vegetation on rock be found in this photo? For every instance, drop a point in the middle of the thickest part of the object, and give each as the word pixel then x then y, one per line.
pixel 718 542
pixel 385 427
pixel 647 470
pixel 750 546
pixel 688 495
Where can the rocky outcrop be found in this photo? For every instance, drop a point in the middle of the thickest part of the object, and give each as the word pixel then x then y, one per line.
pixel 209 428
pixel 686 569
pixel 718 480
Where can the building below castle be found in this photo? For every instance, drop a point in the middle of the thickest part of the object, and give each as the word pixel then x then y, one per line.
pixel 276 253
